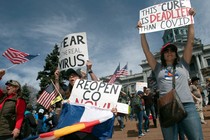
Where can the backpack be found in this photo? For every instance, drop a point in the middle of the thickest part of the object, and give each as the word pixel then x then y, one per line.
pixel 137 104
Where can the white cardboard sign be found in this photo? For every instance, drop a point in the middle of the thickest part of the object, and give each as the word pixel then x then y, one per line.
pixel 167 15
pixel 95 93
pixel 73 51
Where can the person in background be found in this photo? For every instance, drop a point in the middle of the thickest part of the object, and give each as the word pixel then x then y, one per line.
pixel 208 90
pixel 149 105
pixel 29 125
pixel 132 114
pixel 204 94
pixel 145 117
pixel 196 93
pixel 171 62
pixel 40 119
pixel 136 103
pixel 121 116
pixel 10 119
pixel 52 120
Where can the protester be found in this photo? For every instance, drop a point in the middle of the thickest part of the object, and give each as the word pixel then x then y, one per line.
pixel 149 105
pixel 11 101
pixel 121 116
pixel 29 124
pixel 41 124
pixel 73 75
pixel 145 117
pixel 136 103
pixel 163 72
pixel 52 120
pixel 208 90
pixel 132 114
pixel 76 74
pixel 196 93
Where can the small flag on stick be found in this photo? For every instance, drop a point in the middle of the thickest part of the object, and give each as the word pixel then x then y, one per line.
pixel 48 95
pixel 118 72
pixel 17 57
pixel 123 71
pixel 115 75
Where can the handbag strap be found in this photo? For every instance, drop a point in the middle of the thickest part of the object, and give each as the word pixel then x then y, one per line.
pixel 173 79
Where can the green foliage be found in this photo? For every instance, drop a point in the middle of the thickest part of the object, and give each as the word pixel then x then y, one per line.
pixel 51 65
pixel 26 93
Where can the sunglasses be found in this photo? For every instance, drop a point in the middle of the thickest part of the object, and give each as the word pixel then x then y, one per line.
pixel 171 49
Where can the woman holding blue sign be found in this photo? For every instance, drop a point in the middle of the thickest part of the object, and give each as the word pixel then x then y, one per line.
pixel 190 125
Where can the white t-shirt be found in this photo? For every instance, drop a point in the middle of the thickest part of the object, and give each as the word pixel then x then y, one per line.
pixel 164 80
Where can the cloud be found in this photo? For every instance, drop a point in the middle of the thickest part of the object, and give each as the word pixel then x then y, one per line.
pixel 110 28
pixel 52 29
pixel 202 20
pixel 24 74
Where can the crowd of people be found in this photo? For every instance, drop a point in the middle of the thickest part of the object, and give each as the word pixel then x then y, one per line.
pixel 144 103
pixel 40 120
pixel 14 110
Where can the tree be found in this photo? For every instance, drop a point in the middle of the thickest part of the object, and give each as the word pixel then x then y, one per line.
pixel 51 65
pixel 26 93
pixel 29 94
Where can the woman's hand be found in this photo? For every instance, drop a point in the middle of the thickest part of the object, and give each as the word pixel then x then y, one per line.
pixel 192 12
pixel 57 74
pixel 89 65
pixel 139 24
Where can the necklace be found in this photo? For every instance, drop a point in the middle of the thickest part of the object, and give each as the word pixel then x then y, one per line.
pixel 169 68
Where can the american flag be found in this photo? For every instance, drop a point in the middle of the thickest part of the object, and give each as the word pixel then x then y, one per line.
pixel 16 56
pixel 123 71
pixel 47 96
pixel 115 75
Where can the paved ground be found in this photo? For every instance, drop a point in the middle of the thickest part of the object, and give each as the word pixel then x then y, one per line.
pixel 130 131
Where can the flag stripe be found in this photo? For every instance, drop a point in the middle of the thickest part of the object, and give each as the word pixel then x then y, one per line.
pixel 69 129
pixel 123 71
pixel 16 56
pixel 118 73
pixel 89 115
pixel 70 122
pixel 47 96
pixel 114 76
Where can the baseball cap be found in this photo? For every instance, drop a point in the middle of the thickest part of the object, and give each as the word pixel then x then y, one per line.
pixel 168 45
pixel 140 92
pixel 41 111
pixel 77 72
pixel 13 83
pixel 194 79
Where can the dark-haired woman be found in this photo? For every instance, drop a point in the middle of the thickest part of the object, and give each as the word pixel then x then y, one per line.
pixel 164 72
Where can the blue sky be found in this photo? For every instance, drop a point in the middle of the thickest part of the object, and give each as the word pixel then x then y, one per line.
pixel 35 26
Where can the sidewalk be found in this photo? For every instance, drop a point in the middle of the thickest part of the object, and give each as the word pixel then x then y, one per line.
pixel 130 131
